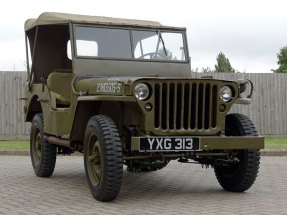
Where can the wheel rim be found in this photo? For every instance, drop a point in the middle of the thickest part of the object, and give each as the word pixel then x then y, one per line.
pixel 36 146
pixel 94 160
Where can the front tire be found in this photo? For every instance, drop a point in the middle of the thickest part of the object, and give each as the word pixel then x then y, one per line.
pixel 43 154
pixel 239 177
pixel 103 158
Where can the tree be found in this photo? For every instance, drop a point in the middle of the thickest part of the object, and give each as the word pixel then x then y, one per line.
pixel 282 61
pixel 223 64
pixel 206 70
pixel 196 70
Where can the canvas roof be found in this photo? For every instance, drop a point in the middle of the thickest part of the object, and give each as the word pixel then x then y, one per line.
pixel 51 18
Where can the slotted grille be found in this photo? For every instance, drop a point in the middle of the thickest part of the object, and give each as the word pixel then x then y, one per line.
pixel 185 106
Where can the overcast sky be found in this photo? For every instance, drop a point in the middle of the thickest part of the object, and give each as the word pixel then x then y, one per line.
pixel 250 33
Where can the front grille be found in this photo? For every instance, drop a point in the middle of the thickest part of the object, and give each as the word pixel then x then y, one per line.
pixel 185 106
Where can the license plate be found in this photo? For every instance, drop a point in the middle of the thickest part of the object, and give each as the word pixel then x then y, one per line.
pixel 160 144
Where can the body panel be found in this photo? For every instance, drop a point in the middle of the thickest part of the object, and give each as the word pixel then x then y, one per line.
pixel 83 67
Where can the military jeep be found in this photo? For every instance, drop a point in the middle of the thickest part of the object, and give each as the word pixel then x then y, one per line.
pixel 121 91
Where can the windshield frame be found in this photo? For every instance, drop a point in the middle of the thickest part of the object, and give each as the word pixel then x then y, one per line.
pixel 130 29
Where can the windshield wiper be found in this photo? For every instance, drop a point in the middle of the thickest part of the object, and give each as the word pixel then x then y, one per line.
pixel 164 49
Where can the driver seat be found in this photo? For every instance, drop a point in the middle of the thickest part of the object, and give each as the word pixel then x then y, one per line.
pixel 59 84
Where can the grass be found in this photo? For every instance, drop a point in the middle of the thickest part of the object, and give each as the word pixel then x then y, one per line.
pixel 276 143
pixel 14 145
pixel 271 143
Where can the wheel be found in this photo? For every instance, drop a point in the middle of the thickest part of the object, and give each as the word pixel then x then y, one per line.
pixel 103 158
pixel 43 154
pixel 241 176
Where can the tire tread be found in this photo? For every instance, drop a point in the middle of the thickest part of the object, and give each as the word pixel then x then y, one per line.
pixel 112 155
pixel 48 151
pixel 251 158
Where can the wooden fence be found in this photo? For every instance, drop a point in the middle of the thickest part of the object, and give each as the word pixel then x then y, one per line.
pixel 267 111
pixel 12 124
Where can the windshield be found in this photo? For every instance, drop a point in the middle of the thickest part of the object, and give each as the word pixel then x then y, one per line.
pixel 99 42
pixel 103 42
pixel 158 45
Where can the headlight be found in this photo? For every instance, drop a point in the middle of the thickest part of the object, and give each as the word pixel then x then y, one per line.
pixel 225 94
pixel 141 91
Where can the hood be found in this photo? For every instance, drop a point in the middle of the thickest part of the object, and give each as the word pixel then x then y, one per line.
pixel 107 85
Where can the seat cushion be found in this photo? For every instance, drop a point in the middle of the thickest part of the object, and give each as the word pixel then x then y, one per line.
pixel 60 83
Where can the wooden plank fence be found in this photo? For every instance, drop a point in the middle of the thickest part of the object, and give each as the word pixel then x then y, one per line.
pixel 12 125
pixel 267 111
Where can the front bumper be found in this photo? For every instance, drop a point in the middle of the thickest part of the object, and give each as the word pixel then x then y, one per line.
pixel 217 143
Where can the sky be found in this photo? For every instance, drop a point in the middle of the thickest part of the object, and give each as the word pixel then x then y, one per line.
pixel 249 32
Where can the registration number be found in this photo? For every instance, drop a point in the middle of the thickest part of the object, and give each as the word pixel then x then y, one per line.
pixel 155 144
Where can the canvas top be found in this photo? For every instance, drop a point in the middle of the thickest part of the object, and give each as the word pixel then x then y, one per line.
pixel 51 18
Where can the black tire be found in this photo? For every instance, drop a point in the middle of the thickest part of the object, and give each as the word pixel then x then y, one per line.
pixel 239 177
pixel 43 154
pixel 103 158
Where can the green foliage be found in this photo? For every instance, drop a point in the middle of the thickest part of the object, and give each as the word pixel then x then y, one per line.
pixel 282 61
pixel 223 64
pixel 203 70
pixel 206 70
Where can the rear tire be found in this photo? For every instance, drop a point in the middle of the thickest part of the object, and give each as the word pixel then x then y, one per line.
pixel 43 154
pixel 239 177
pixel 103 158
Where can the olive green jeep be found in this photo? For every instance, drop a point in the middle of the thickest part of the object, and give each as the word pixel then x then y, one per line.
pixel 121 91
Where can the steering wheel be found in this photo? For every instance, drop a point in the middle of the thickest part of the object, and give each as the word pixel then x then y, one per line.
pixel 153 55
